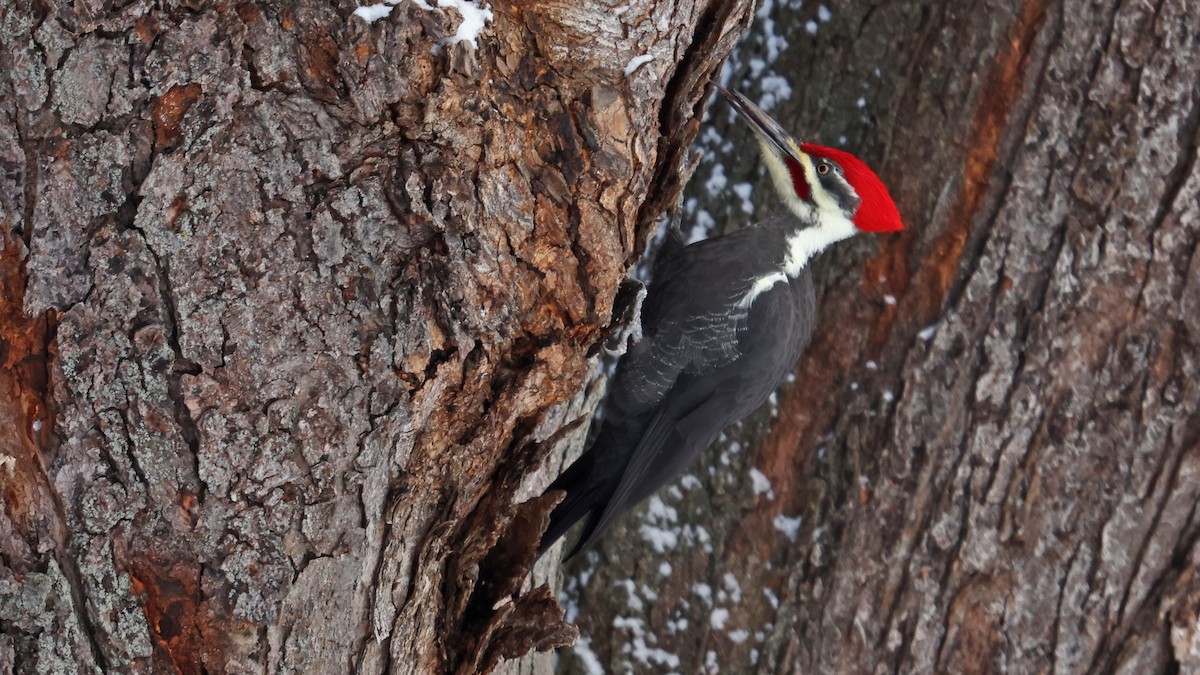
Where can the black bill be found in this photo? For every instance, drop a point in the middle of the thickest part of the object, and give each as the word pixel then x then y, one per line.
pixel 762 124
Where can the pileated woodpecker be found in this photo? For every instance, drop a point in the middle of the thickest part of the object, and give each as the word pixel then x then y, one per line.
pixel 724 322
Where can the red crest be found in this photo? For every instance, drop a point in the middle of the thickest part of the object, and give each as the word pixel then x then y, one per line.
pixel 877 211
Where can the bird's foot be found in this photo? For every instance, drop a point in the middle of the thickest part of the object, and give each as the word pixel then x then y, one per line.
pixel 626 327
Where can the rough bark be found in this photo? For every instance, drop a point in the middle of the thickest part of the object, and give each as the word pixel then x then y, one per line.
pixel 292 303
pixel 993 443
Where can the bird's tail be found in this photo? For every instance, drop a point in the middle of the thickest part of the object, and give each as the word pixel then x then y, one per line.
pixel 576 505
pixel 589 484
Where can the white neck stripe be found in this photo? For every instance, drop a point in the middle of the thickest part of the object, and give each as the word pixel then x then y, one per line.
pixel 802 245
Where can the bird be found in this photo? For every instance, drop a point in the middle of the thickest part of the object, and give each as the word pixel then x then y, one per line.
pixel 724 321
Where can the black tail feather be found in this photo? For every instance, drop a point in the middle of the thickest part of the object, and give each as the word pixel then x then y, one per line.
pixel 585 535
pixel 574 506
pixel 589 483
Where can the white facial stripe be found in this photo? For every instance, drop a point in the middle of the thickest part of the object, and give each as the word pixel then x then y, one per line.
pixel 820 196
pixel 826 222
pixel 782 178
pixel 822 209
pixel 778 170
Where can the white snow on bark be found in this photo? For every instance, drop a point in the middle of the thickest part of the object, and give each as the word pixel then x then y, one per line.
pixel 373 13
pixel 789 527
pixel 637 62
pixel 474 17
pixel 637 647
pixel 587 657
pixel 718 618
pixel 761 484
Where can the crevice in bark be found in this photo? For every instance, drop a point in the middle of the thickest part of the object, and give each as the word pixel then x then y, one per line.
pixel 681 111
pixel 1149 610
pixel 1189 139
pixel 27 350
pixel 1052 651
pixel 32 177
pixel 486 616
pixel 996 100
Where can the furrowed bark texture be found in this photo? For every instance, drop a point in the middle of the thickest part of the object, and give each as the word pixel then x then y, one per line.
pixel 291 302
pixel 990 458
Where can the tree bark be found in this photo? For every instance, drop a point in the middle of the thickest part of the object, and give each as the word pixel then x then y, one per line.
pixel 292 304
pixel 988 460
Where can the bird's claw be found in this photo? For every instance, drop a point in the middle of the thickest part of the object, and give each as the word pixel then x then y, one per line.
pixel 626 327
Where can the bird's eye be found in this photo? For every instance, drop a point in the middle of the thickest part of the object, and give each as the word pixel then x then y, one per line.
pixel 823 168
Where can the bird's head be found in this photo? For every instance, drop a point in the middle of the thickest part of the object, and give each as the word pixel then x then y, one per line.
pixel 825 186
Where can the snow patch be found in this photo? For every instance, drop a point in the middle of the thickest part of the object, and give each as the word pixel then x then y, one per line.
pixel 704 224
pixel 788 526
pixel 761 484
pixel 927 332
pixel 775 90
pixel 474 17
pixel 716 181
pixel 743 191
pixel 771 597
pixel 373 13
pixel 662 540
pixel 658 531
pixel 659 511
pixel 732 586
pixel 634 603
pixel 637 647
pixel 718 618
pixel 637 62
pixel 583 649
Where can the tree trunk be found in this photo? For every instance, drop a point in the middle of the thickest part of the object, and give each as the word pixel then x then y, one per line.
pixel 989 459
pixel 293 302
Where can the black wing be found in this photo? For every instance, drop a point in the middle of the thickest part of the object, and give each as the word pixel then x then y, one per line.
pixel 687 325
pixel 697 406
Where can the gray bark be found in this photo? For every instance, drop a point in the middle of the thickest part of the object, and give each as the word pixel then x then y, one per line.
pixel 988 461
pixel 294 302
